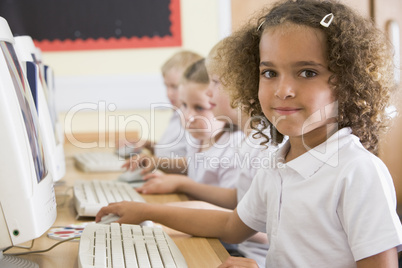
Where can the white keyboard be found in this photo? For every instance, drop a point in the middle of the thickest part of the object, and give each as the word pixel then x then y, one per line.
pixel 127 245
pixel 91 195
pixel 99 162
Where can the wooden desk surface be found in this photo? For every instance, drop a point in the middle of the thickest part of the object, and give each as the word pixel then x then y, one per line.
pixel 198 251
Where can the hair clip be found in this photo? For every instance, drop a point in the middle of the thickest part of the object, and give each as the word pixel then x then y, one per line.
pixel 259 26
pixel 325 23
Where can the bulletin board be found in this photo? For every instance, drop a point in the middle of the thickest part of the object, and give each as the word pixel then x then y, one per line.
pixel 60 25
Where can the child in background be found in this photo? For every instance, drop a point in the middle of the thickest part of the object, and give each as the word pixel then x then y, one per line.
pixel 322 75
pixel 211 140
pixel 219 197
pixel 222 110
pixel 172 142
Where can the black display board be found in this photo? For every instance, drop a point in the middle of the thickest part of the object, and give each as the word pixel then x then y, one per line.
pixel 75 23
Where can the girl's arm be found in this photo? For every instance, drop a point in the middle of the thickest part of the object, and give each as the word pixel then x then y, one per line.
pixel 385 259
pixel 219 196
pixel 224 225
pixel 162 184
pixel 258 237
pixel 172 165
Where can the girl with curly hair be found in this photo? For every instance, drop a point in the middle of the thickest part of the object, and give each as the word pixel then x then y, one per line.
pixel 321 75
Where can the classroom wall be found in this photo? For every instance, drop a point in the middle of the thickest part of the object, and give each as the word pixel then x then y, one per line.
pixel 241 10
pixel 127 81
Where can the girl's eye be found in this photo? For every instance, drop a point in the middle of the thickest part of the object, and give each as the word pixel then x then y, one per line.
pixel 199 108
pixel 308 74
pixel 216 82
pixel 269 74
pixel 183 106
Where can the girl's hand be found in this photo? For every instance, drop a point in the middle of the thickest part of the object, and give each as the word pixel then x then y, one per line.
pixel 154 174
pixel 161 183
pixel 129 212
pixel 239 262
pixel 148 163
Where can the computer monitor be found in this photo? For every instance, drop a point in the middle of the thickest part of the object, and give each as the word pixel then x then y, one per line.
pixel 49 79
pixel 27 199
pixel 47 116
pixel 38 54
pixel 25 43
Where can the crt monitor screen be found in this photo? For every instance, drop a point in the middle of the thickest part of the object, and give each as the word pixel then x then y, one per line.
pixel 27 109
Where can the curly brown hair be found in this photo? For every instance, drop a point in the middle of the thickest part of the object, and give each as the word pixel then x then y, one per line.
pixel 359 56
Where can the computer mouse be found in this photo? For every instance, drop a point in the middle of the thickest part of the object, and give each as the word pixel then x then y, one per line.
pixel 131 176
pixel 109 218
pixel 147 223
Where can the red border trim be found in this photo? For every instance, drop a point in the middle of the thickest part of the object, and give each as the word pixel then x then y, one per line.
pixel 121 43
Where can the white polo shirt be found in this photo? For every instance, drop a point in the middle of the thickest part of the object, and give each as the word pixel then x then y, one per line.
pixel 173 141
pixel 251 157
pixel 331 206
pixel 216 165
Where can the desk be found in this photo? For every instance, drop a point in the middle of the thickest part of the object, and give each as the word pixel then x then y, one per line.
pixel 198 251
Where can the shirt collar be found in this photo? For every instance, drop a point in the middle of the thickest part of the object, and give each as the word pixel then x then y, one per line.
pixel 326 153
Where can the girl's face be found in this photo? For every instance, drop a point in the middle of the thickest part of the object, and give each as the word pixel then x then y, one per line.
pixel 220 101
pixel 294 89
pixel 171 80
pixel 197 111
